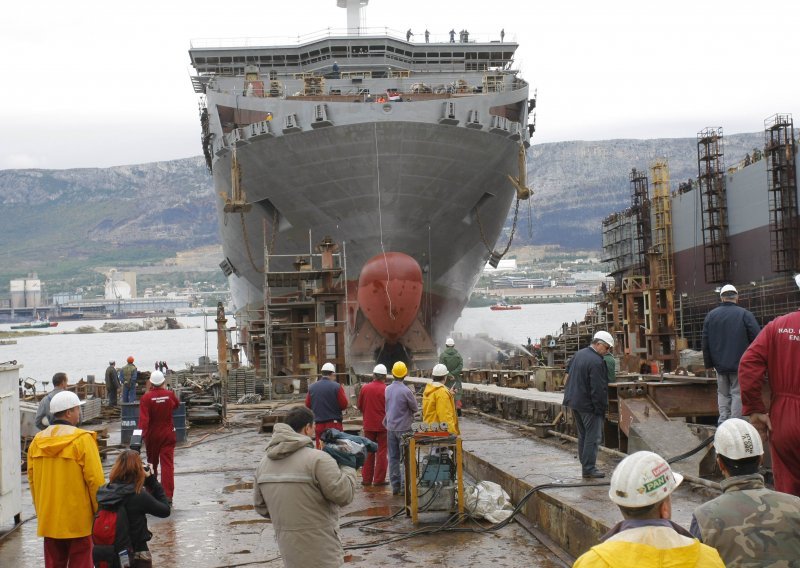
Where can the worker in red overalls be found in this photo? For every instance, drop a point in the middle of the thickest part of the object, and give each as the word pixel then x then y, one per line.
pixel 158 432
pixel 372 404
pixel 776 351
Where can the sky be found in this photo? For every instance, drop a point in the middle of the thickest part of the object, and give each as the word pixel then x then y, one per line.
pixel 97 83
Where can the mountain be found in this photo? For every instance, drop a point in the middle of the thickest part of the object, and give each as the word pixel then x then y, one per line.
pixel 57 222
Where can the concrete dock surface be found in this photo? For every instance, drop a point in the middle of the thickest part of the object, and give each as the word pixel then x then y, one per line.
pixel 213 523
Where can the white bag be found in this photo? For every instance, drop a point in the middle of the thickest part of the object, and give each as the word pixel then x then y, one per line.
pixel 487 500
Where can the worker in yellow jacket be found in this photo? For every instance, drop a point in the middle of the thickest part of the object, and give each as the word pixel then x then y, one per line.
pixel 438 402
pixel 64 473
pixel 641 486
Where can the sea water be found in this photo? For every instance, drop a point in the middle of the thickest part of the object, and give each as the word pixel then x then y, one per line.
pixel 83 354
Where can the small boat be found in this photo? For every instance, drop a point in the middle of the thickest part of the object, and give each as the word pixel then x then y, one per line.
pixel 36 324
pixel 501 306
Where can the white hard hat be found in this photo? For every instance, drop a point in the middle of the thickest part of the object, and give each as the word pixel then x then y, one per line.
pixel 157 378
pixel 328 367
pixel 737 439
pixel 642 479
pixel 797 280
pixel 728 289
pixel 449 342
pixel 379 370
pixel 439 370
pixel 605 337
pixel 64 401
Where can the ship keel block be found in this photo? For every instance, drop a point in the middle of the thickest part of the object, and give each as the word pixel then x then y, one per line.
pixel 390 292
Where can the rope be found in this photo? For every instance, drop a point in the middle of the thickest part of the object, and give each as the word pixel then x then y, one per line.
pixel 380 215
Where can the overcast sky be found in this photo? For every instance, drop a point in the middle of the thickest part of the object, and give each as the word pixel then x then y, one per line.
pixel 101 83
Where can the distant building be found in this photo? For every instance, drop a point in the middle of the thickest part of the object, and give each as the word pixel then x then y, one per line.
pixel 26 292
pixel 505 265
pixel 120 285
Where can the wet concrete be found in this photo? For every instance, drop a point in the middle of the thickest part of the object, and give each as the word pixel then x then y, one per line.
pixel 213 523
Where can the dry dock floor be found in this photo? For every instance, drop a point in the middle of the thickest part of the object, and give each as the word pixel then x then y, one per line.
pixel 213 523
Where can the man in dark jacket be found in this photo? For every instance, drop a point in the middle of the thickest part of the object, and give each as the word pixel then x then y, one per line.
pixel 112 382
pixel 586 393
pixel 326 399
pixel 43 415
pixel 727 331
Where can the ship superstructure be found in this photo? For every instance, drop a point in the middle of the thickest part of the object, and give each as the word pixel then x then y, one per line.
pixel 408 154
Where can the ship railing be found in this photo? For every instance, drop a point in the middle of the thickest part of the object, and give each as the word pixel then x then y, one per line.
pixel 417 38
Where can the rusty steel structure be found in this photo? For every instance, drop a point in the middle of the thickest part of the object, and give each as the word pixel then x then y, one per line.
pixel 784 218
pixel 711 178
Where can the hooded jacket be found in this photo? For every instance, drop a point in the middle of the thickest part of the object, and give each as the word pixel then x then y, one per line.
pixel 64 473
pixel 438 405
pixel 149 501
pixel 650 547
pixel 301 489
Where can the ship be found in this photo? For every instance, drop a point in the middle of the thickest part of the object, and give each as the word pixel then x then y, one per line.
pixel 409 155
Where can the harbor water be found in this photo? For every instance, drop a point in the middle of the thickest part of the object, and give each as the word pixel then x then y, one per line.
pixel 82 354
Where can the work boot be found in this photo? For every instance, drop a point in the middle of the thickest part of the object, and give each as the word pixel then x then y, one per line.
pixel 593 474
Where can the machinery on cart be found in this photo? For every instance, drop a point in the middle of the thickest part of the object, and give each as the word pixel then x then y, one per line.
pixel 433 470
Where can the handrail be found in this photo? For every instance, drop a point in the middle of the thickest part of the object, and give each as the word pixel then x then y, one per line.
pixel 342 33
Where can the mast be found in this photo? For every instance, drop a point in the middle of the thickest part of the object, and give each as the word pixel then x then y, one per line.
pixel 354 14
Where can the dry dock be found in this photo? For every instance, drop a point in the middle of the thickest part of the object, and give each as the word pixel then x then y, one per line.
pixel 213 522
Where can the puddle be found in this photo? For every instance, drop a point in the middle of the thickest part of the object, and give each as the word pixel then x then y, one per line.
pixel 249 522
pixel 371 512
pixel 241 486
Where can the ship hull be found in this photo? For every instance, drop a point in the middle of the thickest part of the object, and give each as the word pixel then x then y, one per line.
pixel 437 193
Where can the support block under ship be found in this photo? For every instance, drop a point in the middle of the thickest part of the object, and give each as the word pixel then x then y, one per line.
pixel 410 155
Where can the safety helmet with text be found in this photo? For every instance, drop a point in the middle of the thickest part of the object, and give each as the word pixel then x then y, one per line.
pixel 379 370
pixel 399 370
pixel 439 370
pixel 737 439
pixel 328 368
pixel 605 337
pixel 642 479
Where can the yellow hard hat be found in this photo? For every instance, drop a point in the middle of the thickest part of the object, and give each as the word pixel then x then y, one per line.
pixel 399 370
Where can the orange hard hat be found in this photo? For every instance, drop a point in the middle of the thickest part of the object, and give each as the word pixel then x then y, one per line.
pixel 130 359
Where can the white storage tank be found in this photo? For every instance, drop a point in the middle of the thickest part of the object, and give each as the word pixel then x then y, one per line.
pixel 10 447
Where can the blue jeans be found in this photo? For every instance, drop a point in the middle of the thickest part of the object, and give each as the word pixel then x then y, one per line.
pixel 590 434
pixel 129 393
pixel 729 398
pixel 395 441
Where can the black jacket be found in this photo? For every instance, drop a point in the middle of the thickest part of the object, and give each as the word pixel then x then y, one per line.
pixel 727 331
pixel 150 501
pixel 587 386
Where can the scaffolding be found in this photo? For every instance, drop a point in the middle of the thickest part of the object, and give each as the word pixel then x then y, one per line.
pixel 640 207
pixel 662 221
pixel 784 219
pixel 711 178
pixel 302 323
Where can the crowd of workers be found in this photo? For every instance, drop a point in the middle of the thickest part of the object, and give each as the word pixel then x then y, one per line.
pixel 300 487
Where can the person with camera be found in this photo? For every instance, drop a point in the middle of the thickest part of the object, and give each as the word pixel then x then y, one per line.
pixel 124 489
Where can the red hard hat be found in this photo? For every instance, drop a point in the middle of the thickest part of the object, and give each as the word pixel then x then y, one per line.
pixel 130 359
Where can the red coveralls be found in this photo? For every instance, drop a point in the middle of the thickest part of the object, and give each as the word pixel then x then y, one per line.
pixel 158 432
pixel 372 404
pixel 776 351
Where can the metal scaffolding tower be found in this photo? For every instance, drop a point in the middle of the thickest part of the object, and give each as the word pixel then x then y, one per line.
pixel 640 207
pixel 711 178
pixel 784 218
pixel 662 217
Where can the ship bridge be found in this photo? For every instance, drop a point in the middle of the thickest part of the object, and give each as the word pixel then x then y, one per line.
pixel 348 56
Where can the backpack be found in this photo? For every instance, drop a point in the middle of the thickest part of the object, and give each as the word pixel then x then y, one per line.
pixel 111 535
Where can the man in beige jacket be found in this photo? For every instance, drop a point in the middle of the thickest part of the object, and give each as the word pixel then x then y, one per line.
pixel 301 489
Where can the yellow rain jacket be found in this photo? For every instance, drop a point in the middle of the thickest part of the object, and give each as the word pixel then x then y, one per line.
pixel 64 472
pixel 438 405
pixel 650 547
